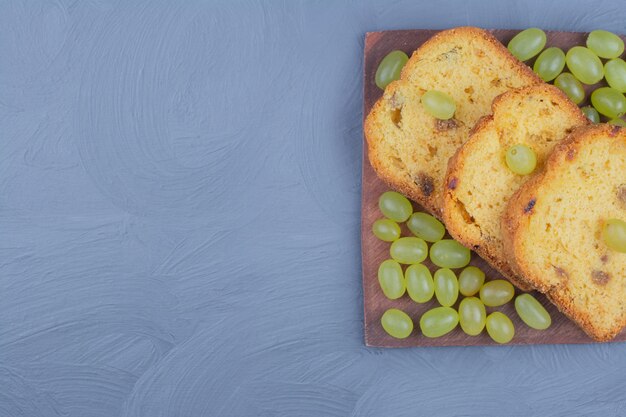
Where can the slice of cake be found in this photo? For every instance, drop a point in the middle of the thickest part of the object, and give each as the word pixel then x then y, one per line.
pixel 552 229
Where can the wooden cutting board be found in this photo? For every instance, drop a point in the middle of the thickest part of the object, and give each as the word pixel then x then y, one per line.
pixel 374 251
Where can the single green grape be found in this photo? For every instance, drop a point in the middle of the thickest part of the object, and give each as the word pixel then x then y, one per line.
pixel 438 104
pixel 521 159
pixel 395 206
pixel 550 63
pixel 591 113
pixel 386 230
pixel 614 234
pixel 391 279
pixel 390 68
pixel 617 122
pixel 496 293
pixel 584 65
pixel 409 250
pixel 527 43
pixel 567 83
pixel 439 321
pixel 532 312
pixel 500 327
pixel 448 253
pixel 609 102
pixel 419 283
pixel 470 280
pixel 397 323
pixel 472 316
pixel 615 74
pixel 605 44
pixel 446 287
pixel 426 227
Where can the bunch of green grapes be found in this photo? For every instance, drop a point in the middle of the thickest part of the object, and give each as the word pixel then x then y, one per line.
pixel 586 67
pixel 444 286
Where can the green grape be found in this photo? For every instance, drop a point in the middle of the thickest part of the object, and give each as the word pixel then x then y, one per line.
pixel 605 44
pixel 409 250
pixel 584 65
pixel 390 68
pixel 426 227
pixel 439 321
pixel 609 102
pixel 550 63
pixel 567 83
pixel 391 279
pixel 386 230
pixel 500 327
pixel 470 280
pixel 615 74
pixel 395 206
pixel 419 283
pixel 527 43
pixel 614 234
pixel 496 293
pixel 397 323
pixel 448 253
pixel 591 113
pixel 446 287
pixel 617 122
pixel 521 159
pixel 472 316
pixel 532 312
pixel 438 104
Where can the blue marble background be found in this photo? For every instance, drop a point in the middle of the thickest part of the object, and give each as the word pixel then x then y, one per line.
pixel 179 212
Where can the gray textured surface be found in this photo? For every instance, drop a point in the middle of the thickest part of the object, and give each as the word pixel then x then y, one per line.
pixel 179 205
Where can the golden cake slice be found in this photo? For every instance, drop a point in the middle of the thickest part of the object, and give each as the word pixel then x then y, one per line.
pixel 408 148
pixel 552 229
pixel 479 183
